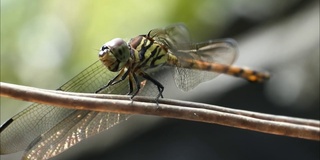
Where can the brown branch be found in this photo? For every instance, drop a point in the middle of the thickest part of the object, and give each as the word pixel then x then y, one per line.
pixel 272 124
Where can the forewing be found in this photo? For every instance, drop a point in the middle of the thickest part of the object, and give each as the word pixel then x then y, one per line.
pixel 47 131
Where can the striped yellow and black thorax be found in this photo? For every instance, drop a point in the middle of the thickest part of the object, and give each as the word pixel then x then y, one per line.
pixel 147 53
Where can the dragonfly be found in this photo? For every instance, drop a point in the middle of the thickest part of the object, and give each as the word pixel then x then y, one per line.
pixel 44 131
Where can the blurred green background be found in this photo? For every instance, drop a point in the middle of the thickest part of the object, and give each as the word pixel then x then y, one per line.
pixel 45 43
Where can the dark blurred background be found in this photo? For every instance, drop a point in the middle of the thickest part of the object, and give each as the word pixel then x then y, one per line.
pixel 45 43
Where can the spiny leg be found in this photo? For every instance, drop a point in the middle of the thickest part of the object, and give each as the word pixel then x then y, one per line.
pixel 115 80
pixel 130 81
pixel 155 82
pixel 135 79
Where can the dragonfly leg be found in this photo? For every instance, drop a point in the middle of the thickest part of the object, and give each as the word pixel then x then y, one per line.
pixel 115 80
pixel 135 79
pixel 155 82
pixel 130 81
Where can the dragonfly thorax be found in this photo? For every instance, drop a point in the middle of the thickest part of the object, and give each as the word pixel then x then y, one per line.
pixel 115 54
pixel 147 53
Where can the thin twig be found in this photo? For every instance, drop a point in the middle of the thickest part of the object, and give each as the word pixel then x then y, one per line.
pixel 263 116
pixel 279 125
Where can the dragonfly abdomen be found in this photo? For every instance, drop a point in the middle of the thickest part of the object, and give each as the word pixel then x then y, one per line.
pixel 246 73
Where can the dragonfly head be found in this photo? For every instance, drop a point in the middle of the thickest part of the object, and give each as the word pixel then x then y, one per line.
pixel 114 54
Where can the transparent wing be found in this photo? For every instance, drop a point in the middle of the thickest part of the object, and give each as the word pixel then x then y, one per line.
pixel 177 39
pixel 218 51
pixel 45 131
pixel 174 36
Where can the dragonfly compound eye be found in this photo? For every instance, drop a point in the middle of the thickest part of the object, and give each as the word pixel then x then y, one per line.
pixel 104 47
pixel 114 54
